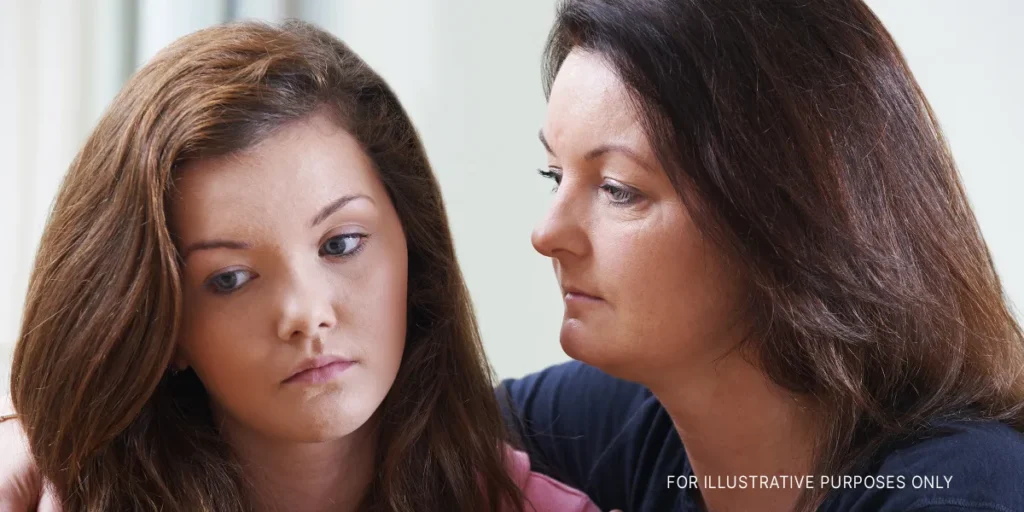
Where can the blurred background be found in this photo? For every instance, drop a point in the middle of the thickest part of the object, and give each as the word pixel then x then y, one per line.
pixel 468 73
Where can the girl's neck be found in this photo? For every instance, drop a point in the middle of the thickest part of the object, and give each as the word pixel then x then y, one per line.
pixel 332 475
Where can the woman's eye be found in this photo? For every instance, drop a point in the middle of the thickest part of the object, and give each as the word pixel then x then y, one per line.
pixel 552 174
pixel 227 282
pixel 343 245
pixel 621 195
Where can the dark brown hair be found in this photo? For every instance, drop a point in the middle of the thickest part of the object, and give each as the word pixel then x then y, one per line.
pixel 801 143
pixel 106 424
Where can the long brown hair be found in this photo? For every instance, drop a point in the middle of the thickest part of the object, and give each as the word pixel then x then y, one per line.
pixel 105 423
pixel 801 143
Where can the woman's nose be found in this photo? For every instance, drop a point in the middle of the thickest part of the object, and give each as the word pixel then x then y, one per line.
pixel 561 229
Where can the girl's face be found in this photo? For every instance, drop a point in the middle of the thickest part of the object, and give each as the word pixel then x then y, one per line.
pixel 295 276
pixel 644 291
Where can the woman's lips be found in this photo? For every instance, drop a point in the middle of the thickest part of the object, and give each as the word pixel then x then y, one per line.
pixel 573 294
pixel 580 297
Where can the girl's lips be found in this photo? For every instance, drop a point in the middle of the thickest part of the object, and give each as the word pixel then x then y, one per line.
pixel 318 370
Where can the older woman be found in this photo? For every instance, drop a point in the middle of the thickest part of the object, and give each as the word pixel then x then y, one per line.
pixel 758 228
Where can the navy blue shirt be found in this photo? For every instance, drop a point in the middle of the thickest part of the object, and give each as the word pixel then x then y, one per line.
pixel 613 440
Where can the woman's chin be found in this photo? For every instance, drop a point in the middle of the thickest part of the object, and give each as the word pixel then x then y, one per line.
pixel 605 349
pixel 586 344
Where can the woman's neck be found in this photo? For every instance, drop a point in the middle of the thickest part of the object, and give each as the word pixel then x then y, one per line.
pixel 735 422
pixel 331 475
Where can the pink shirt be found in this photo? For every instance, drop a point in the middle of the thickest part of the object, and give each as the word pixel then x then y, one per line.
pixel 544 494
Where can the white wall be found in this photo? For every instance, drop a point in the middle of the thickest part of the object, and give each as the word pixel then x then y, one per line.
pixel 468 73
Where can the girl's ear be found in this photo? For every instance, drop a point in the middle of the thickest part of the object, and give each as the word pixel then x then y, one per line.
pixel 179 362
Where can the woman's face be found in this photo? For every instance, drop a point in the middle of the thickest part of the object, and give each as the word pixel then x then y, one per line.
pixel 643 290
pixel 294 259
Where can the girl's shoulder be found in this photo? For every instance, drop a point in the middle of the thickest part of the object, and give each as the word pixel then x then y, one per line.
pixel 544 494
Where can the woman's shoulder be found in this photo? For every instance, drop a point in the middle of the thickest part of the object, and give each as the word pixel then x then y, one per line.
pixel 980 437
pixel 952 465
pixel 586 428
pixel 545 494
pixel 574 387
pixel 977 453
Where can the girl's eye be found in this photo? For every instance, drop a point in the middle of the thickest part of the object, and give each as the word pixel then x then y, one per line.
pixel 343 245
pixel 230 281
